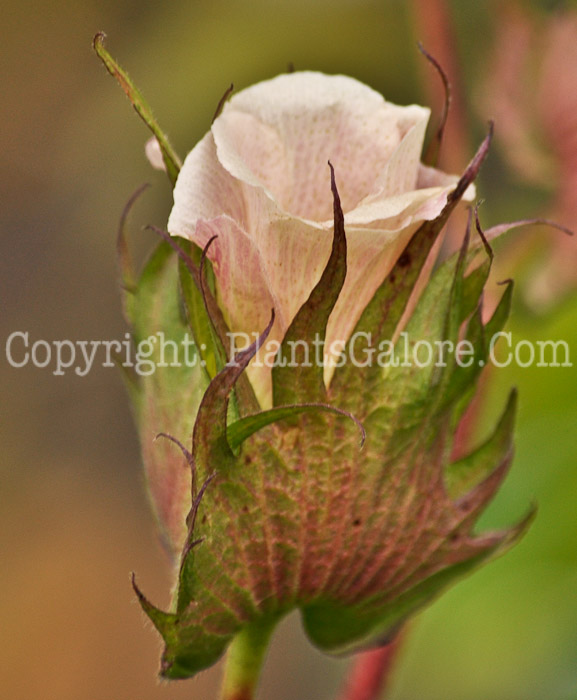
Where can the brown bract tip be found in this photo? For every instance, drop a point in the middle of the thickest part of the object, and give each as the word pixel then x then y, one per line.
pixel 433 151
pixel 227 93
pixel 481 233
pixel 98 39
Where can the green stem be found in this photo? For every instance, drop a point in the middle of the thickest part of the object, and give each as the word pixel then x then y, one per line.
pixel 245 658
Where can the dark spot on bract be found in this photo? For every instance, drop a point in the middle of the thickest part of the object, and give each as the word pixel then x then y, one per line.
pixel 405 259
pixel 356 522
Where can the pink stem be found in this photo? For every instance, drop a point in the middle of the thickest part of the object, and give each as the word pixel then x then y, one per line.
pixel 370 673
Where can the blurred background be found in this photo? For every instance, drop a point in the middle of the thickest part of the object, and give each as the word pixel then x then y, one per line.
pixel 74 518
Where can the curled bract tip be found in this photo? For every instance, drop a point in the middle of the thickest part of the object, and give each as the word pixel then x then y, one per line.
pixel 242 358
pixel 203 260
pixel 433 151
pixel 185 452
pixel 227 93
pixel 486 245
pixel 98 39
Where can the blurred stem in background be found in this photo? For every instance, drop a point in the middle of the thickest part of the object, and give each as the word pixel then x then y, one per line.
pixel 370 673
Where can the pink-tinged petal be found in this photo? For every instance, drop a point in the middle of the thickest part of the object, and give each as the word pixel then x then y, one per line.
pixel 243 292
pixel 403 208
pixel 432 177
pixel 279 135
pixel 294 255
pixel 204 190
pixel 401 172
pixel 371 256
pixel 392 213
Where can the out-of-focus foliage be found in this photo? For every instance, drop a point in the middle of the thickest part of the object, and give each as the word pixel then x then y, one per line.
pixel 73 519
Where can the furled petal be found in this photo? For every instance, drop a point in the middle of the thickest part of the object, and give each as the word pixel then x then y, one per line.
pixel 204 190
pixel 243 291
pixel 401 171
pixel 371 256
pixel 260 181
pixel 392 213
pixel 279 135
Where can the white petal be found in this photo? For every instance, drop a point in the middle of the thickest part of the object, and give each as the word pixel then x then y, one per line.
pixel 391 213
pixel 204 190
pixel 244 294
pixel 402 170
pixel 154 154
pixel 280 134
pixel 370 257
